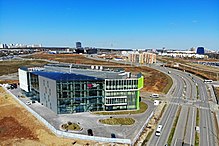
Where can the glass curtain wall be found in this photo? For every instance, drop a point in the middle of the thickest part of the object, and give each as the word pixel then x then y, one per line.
pixel 80 96
pixel 34 82
pixel 117 97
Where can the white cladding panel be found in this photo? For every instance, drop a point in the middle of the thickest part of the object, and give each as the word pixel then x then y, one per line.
pixel 23 79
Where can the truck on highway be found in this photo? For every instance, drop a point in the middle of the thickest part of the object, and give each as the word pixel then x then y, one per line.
pixel 158 131
pixel 208 81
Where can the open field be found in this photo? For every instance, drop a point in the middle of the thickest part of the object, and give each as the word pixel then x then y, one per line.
pixel 18 127
pixel 154 81
pixel 8 67
pixel 68 58
pixel 206 72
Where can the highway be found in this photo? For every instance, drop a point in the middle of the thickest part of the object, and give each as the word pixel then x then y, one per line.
pixel 192 95
pixel 207 125
pixel 185 84
pixel 185 129
pixel 169 115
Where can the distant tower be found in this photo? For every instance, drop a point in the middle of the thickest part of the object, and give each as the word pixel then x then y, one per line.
pixel 78 45
pixel 200 50
pixel 163 50
pixel 192 49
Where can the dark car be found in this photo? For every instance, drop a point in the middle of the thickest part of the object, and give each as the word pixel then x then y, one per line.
pixel 113 135
pixel 13 86
pixel 90 132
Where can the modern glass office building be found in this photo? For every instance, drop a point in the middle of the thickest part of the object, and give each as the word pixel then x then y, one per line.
pixel 69 92
pixel 80 96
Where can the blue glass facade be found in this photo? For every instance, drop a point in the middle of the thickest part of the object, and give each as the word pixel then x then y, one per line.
pixel 80 96
pixel 66 93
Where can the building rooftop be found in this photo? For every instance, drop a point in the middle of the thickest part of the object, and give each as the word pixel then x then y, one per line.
pixel 60 76
pixel 90 70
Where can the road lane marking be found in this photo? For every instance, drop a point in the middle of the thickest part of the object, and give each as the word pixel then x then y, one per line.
pixel 165 124
pixel 190 142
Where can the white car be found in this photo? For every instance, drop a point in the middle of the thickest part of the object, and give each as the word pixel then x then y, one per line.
pixel 197 128
pixel 28 103
pixel 158 131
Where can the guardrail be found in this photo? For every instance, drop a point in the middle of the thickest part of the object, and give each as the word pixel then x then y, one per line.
pixel 66 134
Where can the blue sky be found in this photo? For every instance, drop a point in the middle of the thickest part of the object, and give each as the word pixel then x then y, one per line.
pixel 178 24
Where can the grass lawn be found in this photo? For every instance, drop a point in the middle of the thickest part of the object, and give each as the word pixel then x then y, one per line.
pixel 71 126
pixel 118 121
pixel 143 108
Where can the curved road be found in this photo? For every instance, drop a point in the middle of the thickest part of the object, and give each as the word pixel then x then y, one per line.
pixel 169 115
pixel 185 93
pixel 185 84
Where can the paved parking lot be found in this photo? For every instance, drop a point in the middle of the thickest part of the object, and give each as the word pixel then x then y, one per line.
pixel 90 121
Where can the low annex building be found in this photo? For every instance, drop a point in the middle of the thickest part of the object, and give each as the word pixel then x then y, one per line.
pixel 70 88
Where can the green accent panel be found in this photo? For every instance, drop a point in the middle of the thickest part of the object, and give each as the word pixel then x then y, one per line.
pixel 137 100
pixel 140 82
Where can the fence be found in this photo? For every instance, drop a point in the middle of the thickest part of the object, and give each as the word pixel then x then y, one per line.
pixel 66 134
pixel 80 136
pixel 141 130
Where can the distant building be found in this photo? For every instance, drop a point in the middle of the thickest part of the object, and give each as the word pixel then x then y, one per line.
pixel 142 58
pixel 20 46
pixel 182 54
pixel 90 50
pixel 71 88
pixel 192 49
pixel 3 46
pixel 213 55
pixel 200 50
pixel 78 45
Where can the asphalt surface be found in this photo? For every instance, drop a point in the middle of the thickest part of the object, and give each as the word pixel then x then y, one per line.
pixel 169 115
pixel 184 93
pixel 185 129
pixel 207 125
pixel 88 120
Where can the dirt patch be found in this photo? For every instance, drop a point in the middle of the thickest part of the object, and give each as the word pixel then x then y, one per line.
pixel 9 81
pixel 19 127
pixel 10 128
pixel 216 91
